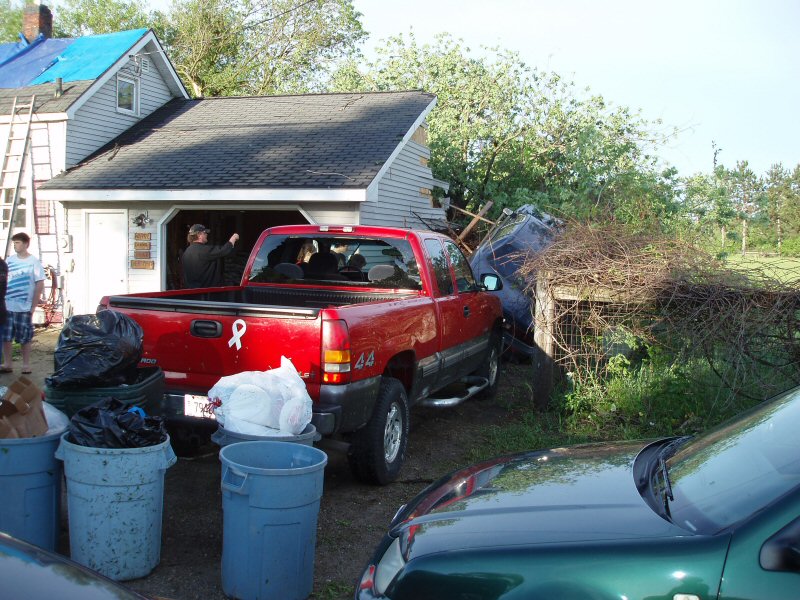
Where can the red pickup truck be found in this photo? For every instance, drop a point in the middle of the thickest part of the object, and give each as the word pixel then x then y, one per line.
pixel 374 319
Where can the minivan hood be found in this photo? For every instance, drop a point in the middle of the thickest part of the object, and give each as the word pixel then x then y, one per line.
pixel 565 495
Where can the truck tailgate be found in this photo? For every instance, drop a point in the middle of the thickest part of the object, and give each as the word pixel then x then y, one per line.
pixel 196 343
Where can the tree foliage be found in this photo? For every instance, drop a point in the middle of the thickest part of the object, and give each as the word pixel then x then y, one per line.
pixel 10 20
pixel 257 47
pixel 75 18
pixel 222 48
pixel 505 132
pixel 761 212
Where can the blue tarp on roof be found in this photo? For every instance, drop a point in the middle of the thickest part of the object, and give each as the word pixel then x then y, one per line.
pixel 72 59
pixel 9 49
pixel 31 61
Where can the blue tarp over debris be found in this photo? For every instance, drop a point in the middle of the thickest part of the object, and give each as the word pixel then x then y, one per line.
pixel 71 59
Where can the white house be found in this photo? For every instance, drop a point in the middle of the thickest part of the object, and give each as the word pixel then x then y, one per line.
pixel 85 92
pixel 233 164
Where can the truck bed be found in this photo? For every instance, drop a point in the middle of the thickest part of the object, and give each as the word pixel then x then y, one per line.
pixel 253 300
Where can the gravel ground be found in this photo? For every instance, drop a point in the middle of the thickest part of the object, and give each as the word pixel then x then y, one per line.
pixel 352 516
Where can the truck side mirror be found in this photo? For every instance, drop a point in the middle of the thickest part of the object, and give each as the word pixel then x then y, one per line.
pixel 491 282
pixel 781 552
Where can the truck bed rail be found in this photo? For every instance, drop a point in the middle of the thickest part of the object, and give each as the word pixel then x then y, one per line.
pixel 255 301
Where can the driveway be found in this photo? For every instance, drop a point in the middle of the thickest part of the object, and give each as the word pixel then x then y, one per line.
pixel 353 516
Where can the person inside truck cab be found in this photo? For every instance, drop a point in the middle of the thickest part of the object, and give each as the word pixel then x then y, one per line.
pixel 354 268
pixel 308 248
pixel 201 262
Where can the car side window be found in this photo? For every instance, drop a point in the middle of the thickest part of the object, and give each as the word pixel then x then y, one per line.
pixel 465 280
pixel 441 269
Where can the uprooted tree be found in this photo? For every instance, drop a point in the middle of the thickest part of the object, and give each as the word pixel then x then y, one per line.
pixel 612 290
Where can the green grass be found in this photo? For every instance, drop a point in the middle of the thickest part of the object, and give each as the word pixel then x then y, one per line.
pixel 532 431
pixel 783 268
pixel 333 590
pixel 660 397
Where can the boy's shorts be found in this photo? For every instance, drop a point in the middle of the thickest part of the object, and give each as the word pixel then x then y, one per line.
pixel 18 327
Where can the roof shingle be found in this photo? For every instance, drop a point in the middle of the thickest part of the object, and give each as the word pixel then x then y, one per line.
pixel 304 141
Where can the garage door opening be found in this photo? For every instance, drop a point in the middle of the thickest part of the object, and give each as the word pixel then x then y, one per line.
pixel 223 223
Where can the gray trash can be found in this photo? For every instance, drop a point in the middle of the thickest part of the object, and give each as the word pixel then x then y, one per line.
pixel 223 437
pixel 270 503
pixel 30 489
pixel 115 499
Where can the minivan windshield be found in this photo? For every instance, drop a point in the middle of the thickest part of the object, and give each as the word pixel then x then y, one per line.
pixel 727 474
pixel 323 259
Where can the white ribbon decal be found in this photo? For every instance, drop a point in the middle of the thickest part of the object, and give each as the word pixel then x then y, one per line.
pixel 239 327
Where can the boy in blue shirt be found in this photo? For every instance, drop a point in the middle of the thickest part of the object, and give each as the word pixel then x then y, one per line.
pixel 23 291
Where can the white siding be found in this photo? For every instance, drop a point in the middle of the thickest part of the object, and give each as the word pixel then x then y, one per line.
pixel 47 158
pixel 46 147
pixel 345 213
pixel 145 280
pixel 399 199
pixel 97 122
pixel 74 263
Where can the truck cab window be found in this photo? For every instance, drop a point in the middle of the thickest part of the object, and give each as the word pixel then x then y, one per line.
pixel 465 280
pixel 441 269
pixel 332 260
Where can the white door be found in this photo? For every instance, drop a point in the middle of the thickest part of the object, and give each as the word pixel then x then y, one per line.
pixel 106 256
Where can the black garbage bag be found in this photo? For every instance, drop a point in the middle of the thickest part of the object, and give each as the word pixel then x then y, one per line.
pixel 99 350
pixel 110 423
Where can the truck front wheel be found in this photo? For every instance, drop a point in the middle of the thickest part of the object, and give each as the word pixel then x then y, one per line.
pixel 378 449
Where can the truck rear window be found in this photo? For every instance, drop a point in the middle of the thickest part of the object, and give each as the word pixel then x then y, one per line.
pixel 334 260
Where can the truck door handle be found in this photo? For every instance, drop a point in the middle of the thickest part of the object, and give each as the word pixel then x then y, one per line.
pixel 466 311
pixel 206 329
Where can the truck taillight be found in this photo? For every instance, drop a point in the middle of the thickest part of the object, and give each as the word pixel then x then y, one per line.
pixel 335 352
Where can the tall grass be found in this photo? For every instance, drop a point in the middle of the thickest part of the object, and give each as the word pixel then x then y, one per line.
pixel 785 269
pixel 663 394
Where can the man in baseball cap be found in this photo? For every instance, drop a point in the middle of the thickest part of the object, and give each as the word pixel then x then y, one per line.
pixel 201 262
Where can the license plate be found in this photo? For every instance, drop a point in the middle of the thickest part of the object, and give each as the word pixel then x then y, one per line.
pixel 197 406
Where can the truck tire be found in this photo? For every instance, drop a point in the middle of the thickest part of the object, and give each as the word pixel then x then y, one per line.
pixel 490 367
pixel 378 449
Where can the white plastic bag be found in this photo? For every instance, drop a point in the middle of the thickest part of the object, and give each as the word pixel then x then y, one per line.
pixel 295 415
pixel 276 398
pixel 57 421
pixel 253 404
pixel 235 425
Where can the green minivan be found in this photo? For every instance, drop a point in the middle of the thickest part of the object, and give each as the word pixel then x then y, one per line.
pixel 691 518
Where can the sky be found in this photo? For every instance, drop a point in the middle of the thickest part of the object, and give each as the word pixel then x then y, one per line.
pixel 726 72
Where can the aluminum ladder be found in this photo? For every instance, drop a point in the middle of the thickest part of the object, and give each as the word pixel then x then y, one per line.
pixel 13 167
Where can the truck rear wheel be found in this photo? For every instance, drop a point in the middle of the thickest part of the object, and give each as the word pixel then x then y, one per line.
pixel 378 449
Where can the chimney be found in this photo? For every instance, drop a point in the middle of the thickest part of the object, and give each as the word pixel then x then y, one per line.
pixel 36 20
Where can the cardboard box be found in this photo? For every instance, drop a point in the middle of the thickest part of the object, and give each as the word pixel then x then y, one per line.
pixel 21 411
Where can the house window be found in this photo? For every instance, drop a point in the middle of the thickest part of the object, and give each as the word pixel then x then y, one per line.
pixel 128 95
pixel 19 214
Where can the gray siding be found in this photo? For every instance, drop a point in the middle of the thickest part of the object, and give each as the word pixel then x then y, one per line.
pixel 97 122
pixel 399 198
pixel 327 213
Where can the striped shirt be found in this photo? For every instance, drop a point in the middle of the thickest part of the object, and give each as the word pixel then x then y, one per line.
pixel 23 273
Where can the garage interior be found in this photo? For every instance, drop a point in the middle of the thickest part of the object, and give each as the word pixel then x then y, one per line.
pixel 223 223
